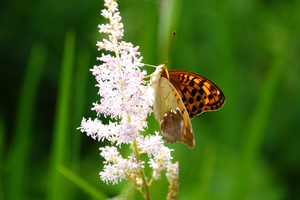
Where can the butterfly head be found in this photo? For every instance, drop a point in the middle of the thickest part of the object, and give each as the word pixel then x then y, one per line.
pixel 155 76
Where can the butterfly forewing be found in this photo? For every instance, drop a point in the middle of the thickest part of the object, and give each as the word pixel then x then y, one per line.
pixel 198 93
pixel 170 112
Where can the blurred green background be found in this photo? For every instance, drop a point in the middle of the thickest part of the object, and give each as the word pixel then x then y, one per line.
pixel 250 149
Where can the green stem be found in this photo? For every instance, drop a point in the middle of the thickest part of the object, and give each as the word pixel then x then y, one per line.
pixel 138 157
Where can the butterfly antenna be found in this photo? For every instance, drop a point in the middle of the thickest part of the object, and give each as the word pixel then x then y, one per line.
pixel 170 47
pixel 149 65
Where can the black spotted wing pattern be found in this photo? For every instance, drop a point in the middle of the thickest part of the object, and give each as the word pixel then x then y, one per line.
pixel 198 93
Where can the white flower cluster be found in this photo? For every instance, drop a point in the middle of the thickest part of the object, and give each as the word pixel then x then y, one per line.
pixel 125 99
pixel 120 86
pixel 121 168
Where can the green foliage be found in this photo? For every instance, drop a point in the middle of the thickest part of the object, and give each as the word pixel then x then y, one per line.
pixel 247 150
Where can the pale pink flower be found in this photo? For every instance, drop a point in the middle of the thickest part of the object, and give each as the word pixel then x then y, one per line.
pixel 127 101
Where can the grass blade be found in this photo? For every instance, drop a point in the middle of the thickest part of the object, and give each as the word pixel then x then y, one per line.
pixel 81 183
pixel 20 150
pixel 60 146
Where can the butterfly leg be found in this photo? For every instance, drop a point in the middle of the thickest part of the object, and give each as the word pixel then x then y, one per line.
pixel 146 88
pixel 147 76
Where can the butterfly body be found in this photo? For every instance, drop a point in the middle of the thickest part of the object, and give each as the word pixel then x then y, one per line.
pixel 179 96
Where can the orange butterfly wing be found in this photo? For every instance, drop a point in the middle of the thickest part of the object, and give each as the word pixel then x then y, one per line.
pixel 198 93
pixel 170 112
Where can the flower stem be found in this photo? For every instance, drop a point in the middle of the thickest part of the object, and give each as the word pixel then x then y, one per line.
pixel 138 157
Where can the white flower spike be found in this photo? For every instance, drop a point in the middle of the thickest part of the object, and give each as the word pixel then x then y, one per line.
pixel 126 101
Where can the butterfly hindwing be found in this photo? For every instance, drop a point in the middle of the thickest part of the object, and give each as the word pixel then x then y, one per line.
pixel 170 112
pixel 198 93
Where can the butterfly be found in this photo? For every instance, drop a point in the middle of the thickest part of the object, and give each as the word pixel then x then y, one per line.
pixel 179 96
